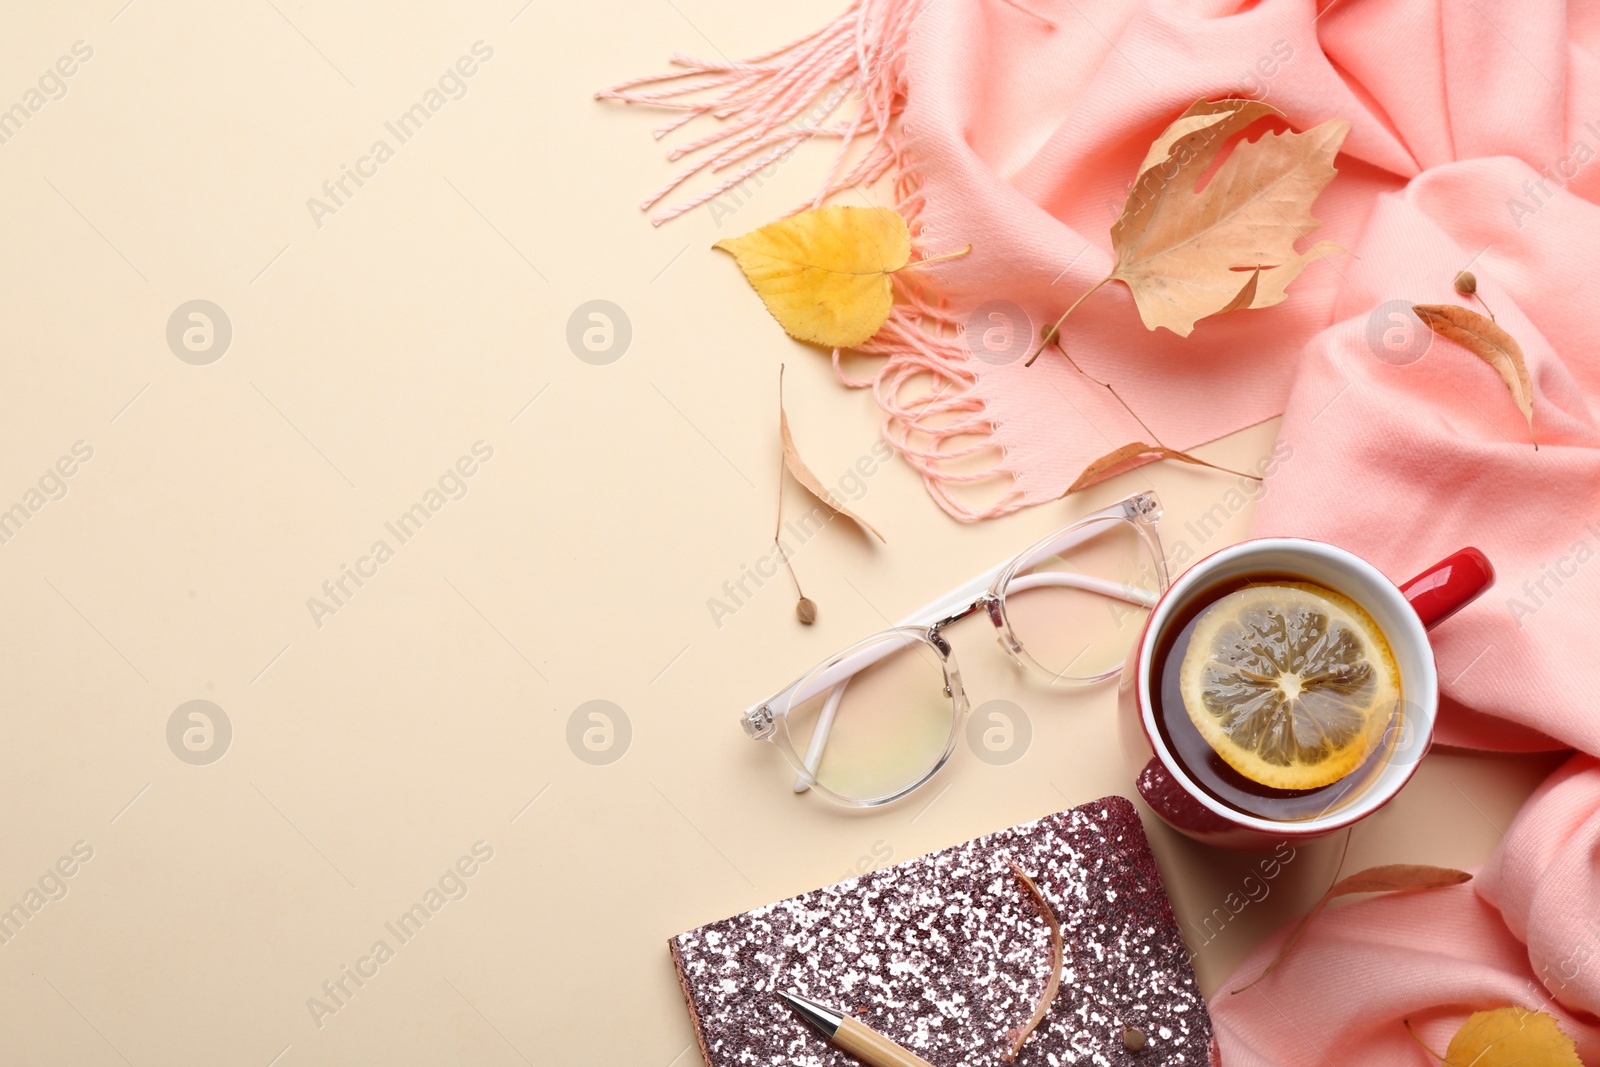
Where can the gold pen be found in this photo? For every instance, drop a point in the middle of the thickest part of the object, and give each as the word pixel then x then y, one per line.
pixel 858 1039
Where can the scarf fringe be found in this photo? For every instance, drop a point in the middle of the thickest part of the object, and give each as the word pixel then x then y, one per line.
pixel 770 105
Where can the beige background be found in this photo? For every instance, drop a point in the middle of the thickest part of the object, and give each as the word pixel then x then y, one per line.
pixel 430 711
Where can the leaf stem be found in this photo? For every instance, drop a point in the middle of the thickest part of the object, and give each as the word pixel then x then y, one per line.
pixel 929 259
pixel 1073 364
pixel 1220 467
pixel 1055 330
pixel 785 556
pixel 1154 439
pixel 1417 1038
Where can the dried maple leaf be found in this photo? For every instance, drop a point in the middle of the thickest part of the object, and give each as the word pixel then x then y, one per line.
pixel 1503 1037
pixel 1179 248
pixel 1485 339
pixel 1389 878
pixel 824 273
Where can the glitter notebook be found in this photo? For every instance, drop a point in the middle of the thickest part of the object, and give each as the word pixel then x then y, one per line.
pixel 946 953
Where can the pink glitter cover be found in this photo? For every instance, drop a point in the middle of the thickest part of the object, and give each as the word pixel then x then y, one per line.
pixel 946 953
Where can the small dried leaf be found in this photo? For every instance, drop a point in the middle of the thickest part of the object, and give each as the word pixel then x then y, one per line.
pixel 1057 957
pixel 1485 339
pixel 802 474
pixel 806 608
pixel 824 273
pixel 1128 457
pixel 1389 878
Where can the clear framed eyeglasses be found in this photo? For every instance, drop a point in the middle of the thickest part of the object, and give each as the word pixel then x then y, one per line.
pixel 873 723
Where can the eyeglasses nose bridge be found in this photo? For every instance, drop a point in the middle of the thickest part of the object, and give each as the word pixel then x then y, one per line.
pixel 987 602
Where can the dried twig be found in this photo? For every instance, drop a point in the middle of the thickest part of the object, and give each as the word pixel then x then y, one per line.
pixel 1057 953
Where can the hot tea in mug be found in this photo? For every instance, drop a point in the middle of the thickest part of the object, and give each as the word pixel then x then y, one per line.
pixel 1276 695
pixel 1286 688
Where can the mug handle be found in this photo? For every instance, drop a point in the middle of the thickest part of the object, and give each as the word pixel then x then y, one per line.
pixel 1449 585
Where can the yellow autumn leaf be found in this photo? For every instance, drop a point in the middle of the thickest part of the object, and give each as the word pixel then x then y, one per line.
pixel 824 273
pixel 1505 1036
pixel 1509 1036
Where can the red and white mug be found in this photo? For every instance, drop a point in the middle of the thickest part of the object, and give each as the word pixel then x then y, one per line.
pixel 1405 613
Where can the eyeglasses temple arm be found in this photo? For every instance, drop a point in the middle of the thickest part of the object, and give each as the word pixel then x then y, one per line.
pixel 833 681
pixel 1132 594
pixel 1086 529
pixel 819 736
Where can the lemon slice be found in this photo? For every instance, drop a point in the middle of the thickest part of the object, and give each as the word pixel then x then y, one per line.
pixel 1292 684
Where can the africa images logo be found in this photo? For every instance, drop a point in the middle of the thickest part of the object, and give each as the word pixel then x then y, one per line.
pixel 452 85
pixel 451 885
pixel 452 485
